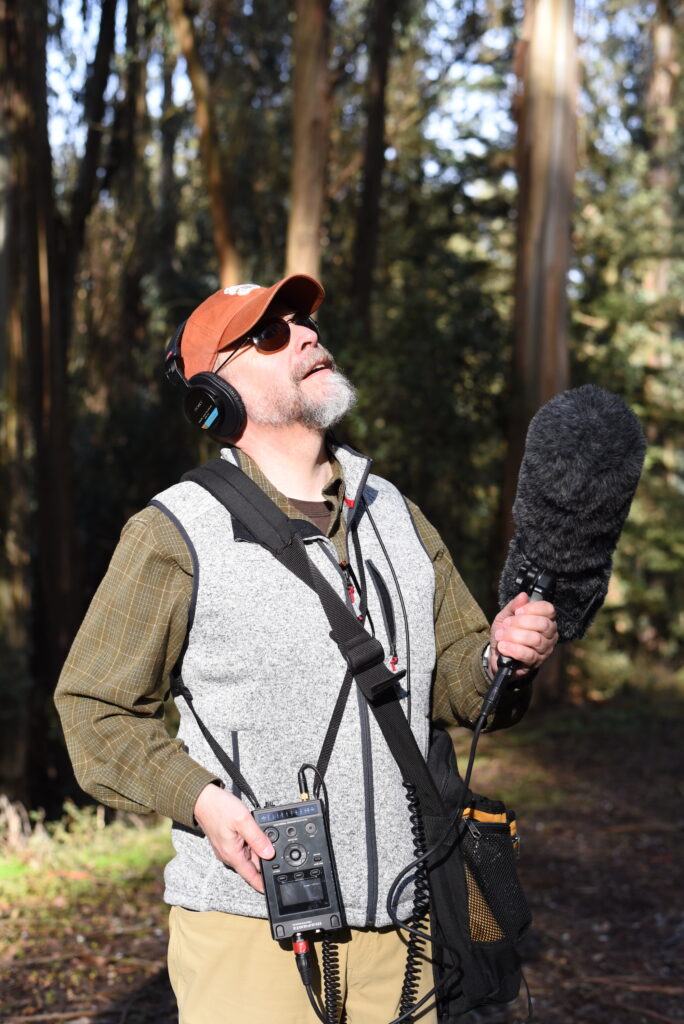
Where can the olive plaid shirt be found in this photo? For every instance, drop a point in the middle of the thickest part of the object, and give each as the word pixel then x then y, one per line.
pixel 110 695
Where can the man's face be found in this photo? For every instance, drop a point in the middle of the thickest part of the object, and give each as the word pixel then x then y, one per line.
pixel 297 384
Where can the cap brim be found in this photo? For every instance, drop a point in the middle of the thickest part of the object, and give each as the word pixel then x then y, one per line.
pixel 299 291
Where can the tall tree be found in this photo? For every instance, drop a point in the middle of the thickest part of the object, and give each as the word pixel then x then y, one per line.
pixel 381 35
pixel 15 429
pixel 545 154
pixel 46 250
pixel 205 116
pixel 546 113
pixel 311 124
pixel 661 127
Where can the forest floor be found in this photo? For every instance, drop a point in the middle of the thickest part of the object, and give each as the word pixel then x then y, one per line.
pixel 599 792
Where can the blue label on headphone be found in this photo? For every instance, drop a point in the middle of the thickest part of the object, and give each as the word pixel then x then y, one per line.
pixel 208 422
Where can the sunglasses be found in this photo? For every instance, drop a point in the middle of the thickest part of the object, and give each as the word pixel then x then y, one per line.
pixel 272 335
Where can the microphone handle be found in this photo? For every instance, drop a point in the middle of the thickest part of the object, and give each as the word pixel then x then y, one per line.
pixel 540 584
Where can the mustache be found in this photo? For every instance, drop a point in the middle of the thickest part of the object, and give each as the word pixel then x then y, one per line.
pixel 307 364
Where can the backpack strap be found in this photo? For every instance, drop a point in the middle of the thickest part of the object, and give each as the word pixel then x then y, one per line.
pixel 363 653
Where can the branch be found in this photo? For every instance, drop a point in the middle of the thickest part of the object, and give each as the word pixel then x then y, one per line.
pixel 184 30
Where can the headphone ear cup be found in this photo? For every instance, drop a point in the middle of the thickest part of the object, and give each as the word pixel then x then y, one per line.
pixel 213 404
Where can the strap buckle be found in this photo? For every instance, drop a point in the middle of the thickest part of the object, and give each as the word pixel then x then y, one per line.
pixel 364 653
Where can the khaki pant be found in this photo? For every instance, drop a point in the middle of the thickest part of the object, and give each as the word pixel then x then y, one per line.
pixel 228 970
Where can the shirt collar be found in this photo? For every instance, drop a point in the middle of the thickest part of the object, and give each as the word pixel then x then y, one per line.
pixel 333 491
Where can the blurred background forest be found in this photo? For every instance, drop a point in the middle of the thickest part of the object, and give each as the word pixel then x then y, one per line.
pixel 491 193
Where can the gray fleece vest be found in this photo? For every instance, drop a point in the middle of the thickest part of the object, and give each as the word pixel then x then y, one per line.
pixel 265 675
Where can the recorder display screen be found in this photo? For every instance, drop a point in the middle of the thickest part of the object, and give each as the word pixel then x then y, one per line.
pixel 298 894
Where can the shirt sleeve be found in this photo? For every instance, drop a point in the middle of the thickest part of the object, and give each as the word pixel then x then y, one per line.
pixel 461 635
pixel 110 695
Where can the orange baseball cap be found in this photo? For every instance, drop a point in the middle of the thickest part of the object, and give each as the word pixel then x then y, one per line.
pixel 230 313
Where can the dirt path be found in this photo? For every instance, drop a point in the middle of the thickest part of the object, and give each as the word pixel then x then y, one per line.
pixel 599 797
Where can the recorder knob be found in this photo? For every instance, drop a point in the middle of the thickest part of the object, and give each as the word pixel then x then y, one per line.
pixel 295 855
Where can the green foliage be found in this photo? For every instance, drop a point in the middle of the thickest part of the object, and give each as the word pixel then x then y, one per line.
pixel 78 851
pixel 628 332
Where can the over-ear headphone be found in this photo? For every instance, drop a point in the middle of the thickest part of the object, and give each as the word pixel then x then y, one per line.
pixel 209 401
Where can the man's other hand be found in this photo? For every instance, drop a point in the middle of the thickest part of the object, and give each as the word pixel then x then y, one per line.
pixel 523 630
pixel 233 833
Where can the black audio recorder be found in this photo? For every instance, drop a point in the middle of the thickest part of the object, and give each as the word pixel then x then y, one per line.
pixel 301 886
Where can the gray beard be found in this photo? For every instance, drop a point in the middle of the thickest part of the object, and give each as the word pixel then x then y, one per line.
pixel 283 407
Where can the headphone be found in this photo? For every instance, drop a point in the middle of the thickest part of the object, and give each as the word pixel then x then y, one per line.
pixel 209 401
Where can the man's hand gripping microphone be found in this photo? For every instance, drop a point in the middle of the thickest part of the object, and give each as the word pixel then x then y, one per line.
pixel 540 585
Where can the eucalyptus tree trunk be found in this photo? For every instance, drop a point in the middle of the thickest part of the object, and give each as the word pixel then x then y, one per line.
pixel 311 127
pixel 15 436
pixel 664 179
pixel 546 119
pixel 39 589
pixel 383 14
pixel 40 565
pixel 226 252
pixel 661 129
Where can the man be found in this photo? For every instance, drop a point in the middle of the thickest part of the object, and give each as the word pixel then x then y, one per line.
pixel 187 584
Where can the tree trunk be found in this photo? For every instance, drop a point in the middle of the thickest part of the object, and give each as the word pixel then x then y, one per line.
pixel 311 124
pixel 15 437
pixel 168 188
pixel 661 128
pixel 368 215
pixel 228 259
pixel 31 404
pixel 44 257
pixel 545 109
pixel 546 167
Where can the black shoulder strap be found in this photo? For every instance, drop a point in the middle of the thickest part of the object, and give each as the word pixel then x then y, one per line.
pixel 363 653
pixel 179 689
pixel 246 501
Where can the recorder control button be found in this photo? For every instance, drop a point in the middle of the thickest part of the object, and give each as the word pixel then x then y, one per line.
pixel 291 831
pixel 272 833
pixel 317 858
pixel 280 931
pixel 334 921
pixel 310 828
pixel 295 855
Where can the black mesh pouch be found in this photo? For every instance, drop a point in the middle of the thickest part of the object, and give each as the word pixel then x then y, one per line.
pixel 478 909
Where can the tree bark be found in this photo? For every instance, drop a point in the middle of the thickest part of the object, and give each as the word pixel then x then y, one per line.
pixel 36 436
pixel 661 128
pixel 368 214
pixel 228 259
pixel 545 113
pixel 311 127
pixel 15 437
pixel 546 167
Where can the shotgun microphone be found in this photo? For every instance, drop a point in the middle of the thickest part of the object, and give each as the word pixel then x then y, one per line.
pixel 582 462
pixel 583 458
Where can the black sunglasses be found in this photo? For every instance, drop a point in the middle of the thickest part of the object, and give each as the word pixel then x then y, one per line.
pixel 272 335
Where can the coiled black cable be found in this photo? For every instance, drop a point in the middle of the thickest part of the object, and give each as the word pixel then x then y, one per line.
pixel 415 953
pixel 330 956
